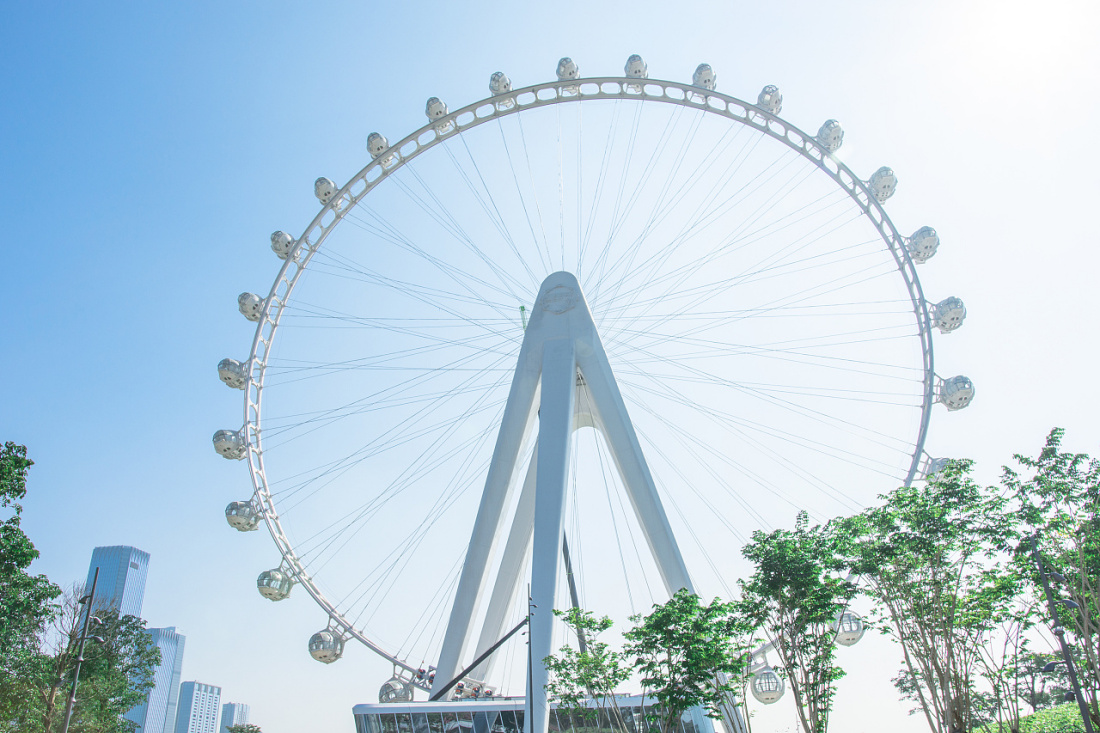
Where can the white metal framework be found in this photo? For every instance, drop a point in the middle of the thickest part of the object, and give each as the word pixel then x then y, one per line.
pixel 665 304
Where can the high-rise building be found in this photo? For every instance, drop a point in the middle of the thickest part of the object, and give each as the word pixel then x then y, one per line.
pixel 158 713
pixel 121 583
pixel 199 707
pixel 233 713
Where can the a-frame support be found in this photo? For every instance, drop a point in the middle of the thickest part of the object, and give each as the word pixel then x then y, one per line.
pixel 561 350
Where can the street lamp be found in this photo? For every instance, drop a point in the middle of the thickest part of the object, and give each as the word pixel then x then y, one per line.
pixel 1060 632
pixel 88 620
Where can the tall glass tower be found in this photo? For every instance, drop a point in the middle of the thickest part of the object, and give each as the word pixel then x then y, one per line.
pixel 233 713
pixel 121 583
pixel 199 708
pixel 158 713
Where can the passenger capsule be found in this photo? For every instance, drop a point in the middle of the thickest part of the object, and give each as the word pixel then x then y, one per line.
pixel 956 393
pixel 567 69
pixel 499 83
pixel 274 585
pixel 948 314
pixel 242 516
pixel 435 109
pixel 636 68
pixel 282 244
pixel 704 77
pixel 883 183
pixel 395 690
pixel 233 373
pixel 923 244
pixel 770 99
pixel 250 305
pixel 767 686
pixel 326 646
pixel 831 135
pixel 933 466
pixel 376 144
pixel 849 628
pixel 230 445
pixel 324 189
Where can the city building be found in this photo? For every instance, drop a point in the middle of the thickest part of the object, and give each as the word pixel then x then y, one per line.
pixel 121 583
pixel 233 713
pixel 199 708
pixel 158 713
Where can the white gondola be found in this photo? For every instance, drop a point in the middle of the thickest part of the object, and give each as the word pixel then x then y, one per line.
pixel 567 69
pixel 395 690
pixel 377 144
pixel 499 83
pixel 922 245
pixel 933 466
pixel 282 244
pixel 324 189
pixel 704 77
pixel 770 99
pixel 849 628
pixel 250 305
pixel 326 646
pixel 831 135
pixel 274 585
pixel 242 516
pixel 883 183
pixel 233 373
pixel 956 393
pixel 948 314
pixel 767 686
pixel 229 444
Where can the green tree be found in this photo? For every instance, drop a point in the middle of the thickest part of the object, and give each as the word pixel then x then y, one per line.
pixel 1058 494
pixel 793 598
pixel 244 728
pixel 925 557
pixel 26 601
pixel 591 674
pixel 687 653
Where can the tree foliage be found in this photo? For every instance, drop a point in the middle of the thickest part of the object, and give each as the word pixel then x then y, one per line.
pixel 592 674
pixel 1059 498
pixel 687 653
pixel 925 556
pixel 244 728
pixel 794 597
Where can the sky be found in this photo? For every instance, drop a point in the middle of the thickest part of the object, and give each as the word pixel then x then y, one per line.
pixel 147 151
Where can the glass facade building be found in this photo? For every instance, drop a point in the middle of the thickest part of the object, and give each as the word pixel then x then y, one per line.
pixel 199 708
pixel 233 713
pixel 158 713
pixel 506 715
pixel 121 583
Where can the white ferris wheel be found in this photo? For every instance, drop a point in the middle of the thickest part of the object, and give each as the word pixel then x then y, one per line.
pixel 614 323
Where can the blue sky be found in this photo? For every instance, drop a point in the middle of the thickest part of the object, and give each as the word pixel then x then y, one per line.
pixel 148 150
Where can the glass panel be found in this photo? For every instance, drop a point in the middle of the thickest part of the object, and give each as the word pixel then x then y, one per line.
pixel 435 723
pixel 508 722
pixel 404 723
pixel 686 723
pixel 450 723
pixel 420 722
pixel 483 721
pixel 389 725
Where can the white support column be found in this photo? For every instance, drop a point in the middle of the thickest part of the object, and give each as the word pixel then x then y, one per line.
pixel 506 589
pixel 559 379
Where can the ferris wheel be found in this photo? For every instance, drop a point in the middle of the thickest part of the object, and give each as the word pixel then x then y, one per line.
pixel 682 311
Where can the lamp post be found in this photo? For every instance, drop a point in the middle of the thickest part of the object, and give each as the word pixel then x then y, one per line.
pixel 1061 633
pixel 80 654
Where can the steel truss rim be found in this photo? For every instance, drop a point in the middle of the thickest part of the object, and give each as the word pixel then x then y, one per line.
pixel 496 107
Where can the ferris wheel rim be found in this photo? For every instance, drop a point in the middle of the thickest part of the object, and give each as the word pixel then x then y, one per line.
pixel 497 106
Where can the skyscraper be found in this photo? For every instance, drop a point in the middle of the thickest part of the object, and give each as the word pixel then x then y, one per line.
pixel 121 583
pixel 233 713
pixel 158 713
pixel 199 707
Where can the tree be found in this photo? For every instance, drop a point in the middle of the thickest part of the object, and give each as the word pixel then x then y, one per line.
pixel 1059 498
pixel 924 556
pixel 589 674
pixel 244 728
pixel 116 675
pixel 686 653
pixel 26 601
pixel 794 597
